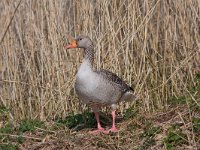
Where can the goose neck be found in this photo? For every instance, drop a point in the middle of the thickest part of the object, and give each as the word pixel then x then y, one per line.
pixel 89 54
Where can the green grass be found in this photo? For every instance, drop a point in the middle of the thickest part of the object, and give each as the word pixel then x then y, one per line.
pixel 79 121
pixel 8 146
pixel 132 127
pixel 196 124
pixel 3 109
pixel 187 99
pixel 7 128
pixel 30 125
pixel 177 100
pixel 197 80
pixel 4 113
pixel 174 138
pixel 131 112
pixel 24 126
pixel 150 133
pixel 149 137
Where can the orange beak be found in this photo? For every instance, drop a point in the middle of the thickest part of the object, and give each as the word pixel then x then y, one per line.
pixel 72 45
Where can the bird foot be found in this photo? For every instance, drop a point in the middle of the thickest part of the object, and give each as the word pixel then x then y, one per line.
pixel 97 131
pixel 113 129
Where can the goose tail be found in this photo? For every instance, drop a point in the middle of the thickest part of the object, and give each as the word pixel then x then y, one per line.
pixel 128 96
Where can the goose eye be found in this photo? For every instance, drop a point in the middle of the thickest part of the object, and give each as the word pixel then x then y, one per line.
pixel 80 39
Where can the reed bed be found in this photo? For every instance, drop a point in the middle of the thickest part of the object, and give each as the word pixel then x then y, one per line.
pixel 154 45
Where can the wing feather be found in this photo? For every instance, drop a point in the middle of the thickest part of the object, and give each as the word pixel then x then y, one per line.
pixel 114 79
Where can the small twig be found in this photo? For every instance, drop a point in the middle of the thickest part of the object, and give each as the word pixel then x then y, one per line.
pixel 10 21
pixel 24 136
pixel 46 130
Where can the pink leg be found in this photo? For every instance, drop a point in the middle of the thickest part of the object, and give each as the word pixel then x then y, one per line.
pixel 113 129
pixel 99 128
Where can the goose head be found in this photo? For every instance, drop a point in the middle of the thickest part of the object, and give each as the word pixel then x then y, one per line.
pixel 80 42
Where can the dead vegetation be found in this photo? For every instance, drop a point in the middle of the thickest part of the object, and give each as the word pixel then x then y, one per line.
pixel 141 131
pixel 153 45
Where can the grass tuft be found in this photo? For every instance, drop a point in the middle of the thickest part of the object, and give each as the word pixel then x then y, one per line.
pixel 30 125
pixel 131 112
pixel 175 137
pixel 149 137
pixel 79 121
pixel 196 124
pixel 8 146
pixel 8 128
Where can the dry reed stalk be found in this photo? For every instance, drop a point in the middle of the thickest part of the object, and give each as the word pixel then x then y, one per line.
pixel 153 45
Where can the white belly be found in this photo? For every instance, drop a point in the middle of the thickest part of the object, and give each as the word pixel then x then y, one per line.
pixel 91 87
pixel 86 78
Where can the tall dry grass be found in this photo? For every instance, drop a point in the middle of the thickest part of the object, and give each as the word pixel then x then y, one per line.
pixel 154 45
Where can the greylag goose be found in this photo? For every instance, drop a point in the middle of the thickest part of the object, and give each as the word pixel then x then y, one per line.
pixel 98 88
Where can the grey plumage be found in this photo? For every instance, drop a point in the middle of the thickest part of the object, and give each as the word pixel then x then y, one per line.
pixel 98 88
pixel 115 79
